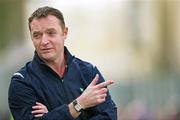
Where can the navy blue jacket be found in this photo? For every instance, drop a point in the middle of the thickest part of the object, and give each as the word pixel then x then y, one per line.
pixel 37 82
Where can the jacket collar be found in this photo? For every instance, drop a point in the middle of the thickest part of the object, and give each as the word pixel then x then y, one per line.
pixel 69 57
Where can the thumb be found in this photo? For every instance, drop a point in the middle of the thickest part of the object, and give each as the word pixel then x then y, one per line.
pixel 94 81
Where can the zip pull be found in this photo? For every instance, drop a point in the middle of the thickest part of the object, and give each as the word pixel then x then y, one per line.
pixel 81 89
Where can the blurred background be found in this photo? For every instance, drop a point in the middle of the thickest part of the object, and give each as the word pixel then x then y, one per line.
pixel 134 42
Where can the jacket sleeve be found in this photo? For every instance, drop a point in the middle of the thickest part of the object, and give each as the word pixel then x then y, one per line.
pixel 22 97
pixel 106 110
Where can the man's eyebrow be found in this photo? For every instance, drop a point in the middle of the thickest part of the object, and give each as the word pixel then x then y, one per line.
pixel 51 29
pixel 36 32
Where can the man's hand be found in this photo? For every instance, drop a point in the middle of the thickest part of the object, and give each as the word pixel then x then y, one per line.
pixel 94 93
pixel 39 109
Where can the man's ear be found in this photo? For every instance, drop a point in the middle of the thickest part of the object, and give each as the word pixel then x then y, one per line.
pixel 65 31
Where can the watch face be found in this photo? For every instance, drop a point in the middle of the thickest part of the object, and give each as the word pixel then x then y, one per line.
pixel 77 107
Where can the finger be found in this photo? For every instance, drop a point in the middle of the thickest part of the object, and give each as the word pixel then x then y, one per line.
pixel 105 84
pixel 101 100
pixel 102 96
pixel 38 103
pixel 94 81
pixel 38 111
pixel 39 115
pixel 37 107
pixel 103 90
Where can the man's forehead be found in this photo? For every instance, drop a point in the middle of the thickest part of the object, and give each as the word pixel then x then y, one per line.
pixel 41 30
pixel 45 21
pixel 44 24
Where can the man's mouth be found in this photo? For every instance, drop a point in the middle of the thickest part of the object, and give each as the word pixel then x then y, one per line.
pixel 46 49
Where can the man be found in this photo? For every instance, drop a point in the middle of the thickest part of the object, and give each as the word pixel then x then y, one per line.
pixel 56 85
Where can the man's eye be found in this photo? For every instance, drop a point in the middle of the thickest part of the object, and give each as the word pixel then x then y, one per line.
pixel 36 35
pixel 51 33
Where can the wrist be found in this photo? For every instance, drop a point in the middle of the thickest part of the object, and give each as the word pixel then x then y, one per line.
pixel 72 111
pixel 81 102
pixel 77 106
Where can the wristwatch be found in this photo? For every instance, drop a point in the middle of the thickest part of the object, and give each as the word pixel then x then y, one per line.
pixel 77 106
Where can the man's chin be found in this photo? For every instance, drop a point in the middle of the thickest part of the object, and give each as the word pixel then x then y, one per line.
pixel 47 58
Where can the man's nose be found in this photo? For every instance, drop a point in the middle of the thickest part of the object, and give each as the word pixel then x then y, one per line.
pixel 44 39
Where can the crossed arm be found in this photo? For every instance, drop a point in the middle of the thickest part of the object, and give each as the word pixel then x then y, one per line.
pixel 93 95
pixel 22 98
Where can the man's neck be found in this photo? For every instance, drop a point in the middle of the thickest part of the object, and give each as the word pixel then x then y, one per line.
pixel 59 66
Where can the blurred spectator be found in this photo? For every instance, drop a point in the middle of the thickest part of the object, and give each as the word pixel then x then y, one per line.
pixel 137 110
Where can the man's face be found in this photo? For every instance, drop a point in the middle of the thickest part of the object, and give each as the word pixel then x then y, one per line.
pixel 48 37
